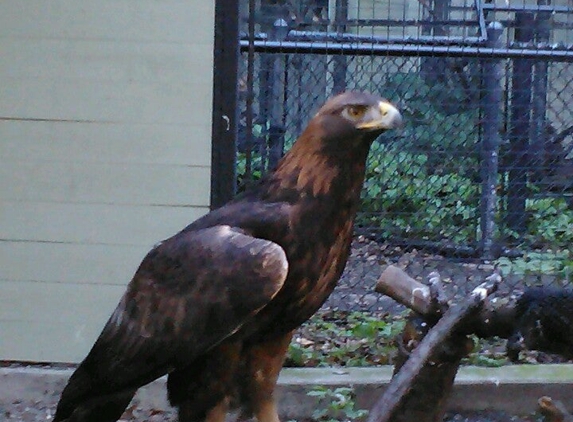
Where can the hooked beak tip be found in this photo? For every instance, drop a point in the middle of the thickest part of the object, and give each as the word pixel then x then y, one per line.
pixel 391 117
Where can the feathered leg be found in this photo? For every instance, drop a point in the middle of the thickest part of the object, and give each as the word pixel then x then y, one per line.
pixel 219 412
pixel 265 361
pixel 201 392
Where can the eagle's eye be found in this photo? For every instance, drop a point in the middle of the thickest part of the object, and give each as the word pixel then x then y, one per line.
pixel 356 112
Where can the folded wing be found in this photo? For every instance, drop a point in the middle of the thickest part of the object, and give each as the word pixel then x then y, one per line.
pixel 190 293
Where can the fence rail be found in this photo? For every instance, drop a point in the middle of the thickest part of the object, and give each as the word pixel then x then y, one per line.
pixel 396 49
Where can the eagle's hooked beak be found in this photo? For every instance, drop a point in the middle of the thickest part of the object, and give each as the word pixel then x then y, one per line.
pixel 386 116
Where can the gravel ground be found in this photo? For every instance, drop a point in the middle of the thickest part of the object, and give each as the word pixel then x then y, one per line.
pixel 354 292
pixel 42 411
pixel 489 416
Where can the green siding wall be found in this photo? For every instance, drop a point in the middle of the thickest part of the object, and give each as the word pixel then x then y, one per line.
pixel 105 145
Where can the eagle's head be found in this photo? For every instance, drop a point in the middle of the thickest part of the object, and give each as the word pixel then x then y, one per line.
pixel 331 152
pixel 356 115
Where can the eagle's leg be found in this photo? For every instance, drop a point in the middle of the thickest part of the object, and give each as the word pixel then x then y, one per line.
pixel 219 412
pixel 267 412
pixel 201 392
pixel 265 363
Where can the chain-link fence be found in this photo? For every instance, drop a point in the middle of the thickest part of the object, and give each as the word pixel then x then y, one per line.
pixel 481 174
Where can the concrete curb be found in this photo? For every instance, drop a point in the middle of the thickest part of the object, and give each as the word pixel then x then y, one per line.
pixel 513 389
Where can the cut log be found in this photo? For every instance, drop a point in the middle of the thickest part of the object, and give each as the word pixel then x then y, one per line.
pixel 496 318
pixel 553 410
pixel 427 398
pixel 398 285
pixel 435 341
pixel 444 337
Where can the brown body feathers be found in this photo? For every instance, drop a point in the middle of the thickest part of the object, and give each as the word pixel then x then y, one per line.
pixel 214 306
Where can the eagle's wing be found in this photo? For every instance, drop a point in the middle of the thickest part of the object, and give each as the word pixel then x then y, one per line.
pixel 190 293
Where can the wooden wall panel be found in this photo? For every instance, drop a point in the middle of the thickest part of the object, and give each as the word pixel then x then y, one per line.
pixel 105 150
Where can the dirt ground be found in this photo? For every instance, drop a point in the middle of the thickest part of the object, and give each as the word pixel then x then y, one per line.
pixel 354 292
pixel 42 411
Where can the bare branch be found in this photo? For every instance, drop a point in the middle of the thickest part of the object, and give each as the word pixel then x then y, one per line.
pixel 387 407
pixel 398 285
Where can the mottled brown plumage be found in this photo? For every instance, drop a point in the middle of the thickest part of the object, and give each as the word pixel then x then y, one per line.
pixel 214 306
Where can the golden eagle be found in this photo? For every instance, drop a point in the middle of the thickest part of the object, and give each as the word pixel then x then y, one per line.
pixel 215 305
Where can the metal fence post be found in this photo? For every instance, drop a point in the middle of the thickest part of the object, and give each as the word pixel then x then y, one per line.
pixel 539 98
pixel 271 92
pixel 492 109
pixel 340 63
pixel 225 100
pixel 277 100
pixel 519 126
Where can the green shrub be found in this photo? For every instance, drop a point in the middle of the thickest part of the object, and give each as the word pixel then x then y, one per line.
pixel 336 404
pixel 402 197
pixel 337 338
pixel 551 221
